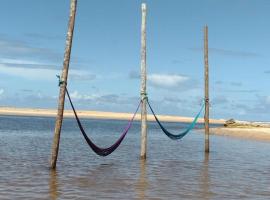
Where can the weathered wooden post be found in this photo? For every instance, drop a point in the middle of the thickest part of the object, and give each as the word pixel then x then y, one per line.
pixel 61 101
pixel 206 88
pixel 143 85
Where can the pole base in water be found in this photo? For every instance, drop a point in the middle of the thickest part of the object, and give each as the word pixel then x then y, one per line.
pixel 143 157
pixel 206 150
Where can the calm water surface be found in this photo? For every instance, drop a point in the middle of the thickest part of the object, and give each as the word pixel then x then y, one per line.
pixel 235 169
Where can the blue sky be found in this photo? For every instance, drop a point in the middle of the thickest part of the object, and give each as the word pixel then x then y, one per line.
pixel 105 61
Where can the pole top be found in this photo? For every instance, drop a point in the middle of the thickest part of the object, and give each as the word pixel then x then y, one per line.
pixel 143 6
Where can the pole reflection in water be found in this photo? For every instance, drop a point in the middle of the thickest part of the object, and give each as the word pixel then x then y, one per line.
pixel 205 179
pixel 53 185
pixel 142 182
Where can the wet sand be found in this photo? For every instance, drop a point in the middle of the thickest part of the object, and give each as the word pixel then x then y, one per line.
pixel 96 115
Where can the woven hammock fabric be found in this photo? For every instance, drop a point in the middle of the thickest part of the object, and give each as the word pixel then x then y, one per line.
pixel 180 135
pixel 102 151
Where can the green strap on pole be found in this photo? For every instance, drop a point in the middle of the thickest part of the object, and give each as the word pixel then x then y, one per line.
pixel 60 81
pixel 144 96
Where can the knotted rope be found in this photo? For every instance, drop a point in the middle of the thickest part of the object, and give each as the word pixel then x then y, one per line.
pixel 60 81
pixel 144 96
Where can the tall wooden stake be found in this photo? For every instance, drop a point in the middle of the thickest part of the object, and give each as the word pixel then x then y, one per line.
pixel 143 85
pixel 61 101
pixel 206 87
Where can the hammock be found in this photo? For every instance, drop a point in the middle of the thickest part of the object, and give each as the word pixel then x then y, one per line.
pixel 102 151
pixel 182 134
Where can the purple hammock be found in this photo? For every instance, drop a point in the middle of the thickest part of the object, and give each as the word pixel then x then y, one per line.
pixel 102 151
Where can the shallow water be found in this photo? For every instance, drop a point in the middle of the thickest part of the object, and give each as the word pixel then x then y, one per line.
pixel 235 169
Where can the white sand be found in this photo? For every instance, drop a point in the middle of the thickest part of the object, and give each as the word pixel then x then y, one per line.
pixel 96 115
pixel 261 134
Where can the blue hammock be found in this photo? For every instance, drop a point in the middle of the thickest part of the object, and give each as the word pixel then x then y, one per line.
pixel 182 134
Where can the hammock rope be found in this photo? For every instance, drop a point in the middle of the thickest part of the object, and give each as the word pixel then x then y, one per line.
pixel 60 81
pixel 98 150
pixel 180 135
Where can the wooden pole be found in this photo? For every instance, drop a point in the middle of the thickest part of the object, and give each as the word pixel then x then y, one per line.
pixel 62 92
pixel 206 88
pixel 143 85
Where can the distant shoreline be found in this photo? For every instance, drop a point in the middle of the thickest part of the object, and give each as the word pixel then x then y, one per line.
pixel 252 133
pixel 10 111
pixel 249 133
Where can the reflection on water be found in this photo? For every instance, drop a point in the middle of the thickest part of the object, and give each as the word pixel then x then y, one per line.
pixel 205 179
pixel 53 185
pixel 142 183
pixel 234 169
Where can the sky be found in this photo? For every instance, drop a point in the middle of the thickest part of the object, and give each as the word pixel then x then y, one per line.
pixel 105 61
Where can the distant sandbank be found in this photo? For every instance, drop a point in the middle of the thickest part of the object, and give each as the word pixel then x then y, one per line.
pixel 96 115
pixel 244 129
pixel 253 133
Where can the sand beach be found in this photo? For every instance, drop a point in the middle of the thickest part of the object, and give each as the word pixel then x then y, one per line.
pixel 252 133
pixel 96 115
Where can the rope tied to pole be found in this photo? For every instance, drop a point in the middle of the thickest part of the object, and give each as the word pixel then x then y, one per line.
pixel 207 100
pixel 144 96
pixel 61 81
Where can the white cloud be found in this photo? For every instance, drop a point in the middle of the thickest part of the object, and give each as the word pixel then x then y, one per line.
pixel 103 99
pixel 42 73
pixel 77 96
pixel 167 80
pixel 19 61
pixel 29 73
